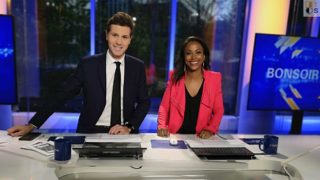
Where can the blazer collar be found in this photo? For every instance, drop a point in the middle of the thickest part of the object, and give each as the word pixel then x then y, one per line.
pixel 102 70
pixel 102 63
pixel 205 99
pixel 206 92
pixel 178 99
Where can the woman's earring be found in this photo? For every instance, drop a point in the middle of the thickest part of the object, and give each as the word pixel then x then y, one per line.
pixel 185 68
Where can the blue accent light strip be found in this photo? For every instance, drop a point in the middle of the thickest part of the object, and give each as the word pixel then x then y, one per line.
pixel 68 123
pixel 315 26
pixel 92 27
pixel 172 35
pixel 243 56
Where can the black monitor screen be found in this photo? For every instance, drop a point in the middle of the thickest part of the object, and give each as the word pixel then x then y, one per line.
pixel 8 84
pixel 285 73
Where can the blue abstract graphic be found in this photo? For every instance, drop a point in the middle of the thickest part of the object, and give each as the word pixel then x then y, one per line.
pixel 8 89
pixel 285 73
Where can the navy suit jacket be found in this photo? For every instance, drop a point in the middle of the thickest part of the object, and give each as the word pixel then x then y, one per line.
pixel 90 77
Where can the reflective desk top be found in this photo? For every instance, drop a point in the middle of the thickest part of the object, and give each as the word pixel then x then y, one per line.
pixel 159 163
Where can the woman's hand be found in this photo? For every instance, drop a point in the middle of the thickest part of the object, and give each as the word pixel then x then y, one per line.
pixel 205 134
pixel 163 132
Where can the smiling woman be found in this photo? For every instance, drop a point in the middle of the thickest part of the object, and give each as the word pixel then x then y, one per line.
pixel 192 102
pixel 194 56
pixel 194 60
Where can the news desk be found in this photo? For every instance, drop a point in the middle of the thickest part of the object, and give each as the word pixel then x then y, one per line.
pixel 16 163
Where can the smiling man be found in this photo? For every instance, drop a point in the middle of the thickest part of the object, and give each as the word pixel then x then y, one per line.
pixel 113 84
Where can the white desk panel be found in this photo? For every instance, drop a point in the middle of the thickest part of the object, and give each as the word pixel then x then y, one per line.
pixel 16 163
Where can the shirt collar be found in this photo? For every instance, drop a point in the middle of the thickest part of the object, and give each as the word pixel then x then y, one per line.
pixel 111 60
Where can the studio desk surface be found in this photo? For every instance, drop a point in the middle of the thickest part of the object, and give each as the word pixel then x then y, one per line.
pixel 159 163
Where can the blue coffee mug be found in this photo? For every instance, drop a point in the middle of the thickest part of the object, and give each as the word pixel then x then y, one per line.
pixel 270 144
pixel 62 149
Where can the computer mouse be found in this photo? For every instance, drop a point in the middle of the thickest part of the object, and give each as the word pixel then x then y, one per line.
pixel 173 141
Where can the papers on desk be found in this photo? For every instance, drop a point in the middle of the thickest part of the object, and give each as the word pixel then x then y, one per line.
pixel 43 147
pixel 214 143
pixel 4 138
pixel 113 138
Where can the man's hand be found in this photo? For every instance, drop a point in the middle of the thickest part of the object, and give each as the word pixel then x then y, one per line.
pixel 118 129
pixel 20 130
pixel 163 132
pixel 205 134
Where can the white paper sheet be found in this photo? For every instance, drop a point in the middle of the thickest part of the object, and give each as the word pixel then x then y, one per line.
pixel 215 143
pixel 4 137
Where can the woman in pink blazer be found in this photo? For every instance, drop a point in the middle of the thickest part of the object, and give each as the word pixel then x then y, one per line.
pixel 192 102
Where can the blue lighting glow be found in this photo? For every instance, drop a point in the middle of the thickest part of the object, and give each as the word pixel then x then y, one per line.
pixel 172 34
pixel 310 125
pixel 92 27
pixel 5 52
pixel 8 83
pixel 315 26
pixel 67 122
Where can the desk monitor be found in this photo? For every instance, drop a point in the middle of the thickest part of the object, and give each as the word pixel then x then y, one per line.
pixel 285 73
pixel 8 79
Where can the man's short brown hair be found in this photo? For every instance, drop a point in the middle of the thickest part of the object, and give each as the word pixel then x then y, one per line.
pixel 122 19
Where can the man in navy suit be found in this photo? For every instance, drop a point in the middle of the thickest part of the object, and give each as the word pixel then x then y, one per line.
pixel 95 76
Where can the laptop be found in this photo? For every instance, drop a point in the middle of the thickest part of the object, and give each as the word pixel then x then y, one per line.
pixel 220 149
pixel 223 153
pixel 110 150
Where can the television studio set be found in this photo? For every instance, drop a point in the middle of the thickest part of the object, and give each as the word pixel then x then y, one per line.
pixel 160 89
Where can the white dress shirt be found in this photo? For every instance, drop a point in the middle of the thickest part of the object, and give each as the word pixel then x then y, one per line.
pixel 105 118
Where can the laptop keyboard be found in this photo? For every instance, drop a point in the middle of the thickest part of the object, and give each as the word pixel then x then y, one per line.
pixel 224 153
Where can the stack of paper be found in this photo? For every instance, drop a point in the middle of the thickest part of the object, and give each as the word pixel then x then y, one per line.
pixel 215 143
pixel 43 147
pixel 4 138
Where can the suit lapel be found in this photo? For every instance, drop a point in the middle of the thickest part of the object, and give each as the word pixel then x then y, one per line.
pixel 178 98
pixel 127 77
pixel 102 71
pixel 206 91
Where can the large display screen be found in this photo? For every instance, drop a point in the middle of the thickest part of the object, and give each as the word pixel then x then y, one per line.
pixel 8 83
pixel 285 73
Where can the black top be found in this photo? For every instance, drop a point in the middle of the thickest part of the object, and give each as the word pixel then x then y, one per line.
pixel 191 112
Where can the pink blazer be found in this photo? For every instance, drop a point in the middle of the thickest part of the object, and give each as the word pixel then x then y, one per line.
pixel 172 107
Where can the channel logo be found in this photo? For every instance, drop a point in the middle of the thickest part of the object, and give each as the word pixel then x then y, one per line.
pixel 311 8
